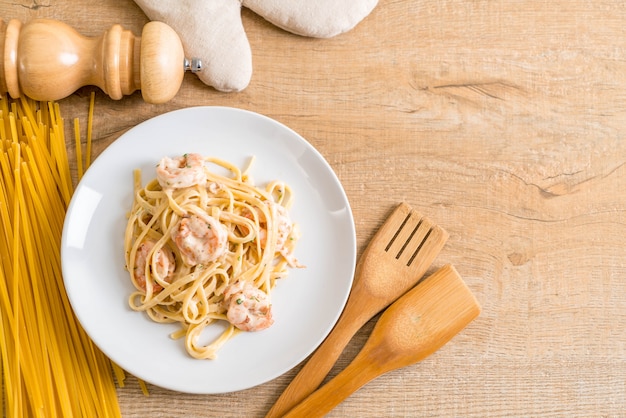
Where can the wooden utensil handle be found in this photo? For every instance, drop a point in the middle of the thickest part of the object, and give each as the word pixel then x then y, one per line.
pixel 359 372
pixel 48 60
pixel 317 367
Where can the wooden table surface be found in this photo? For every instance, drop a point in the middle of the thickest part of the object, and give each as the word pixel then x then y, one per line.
pixel 504 122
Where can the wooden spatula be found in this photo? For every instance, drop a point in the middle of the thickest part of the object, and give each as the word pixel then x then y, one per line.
pixel 412 328
pixel 394 261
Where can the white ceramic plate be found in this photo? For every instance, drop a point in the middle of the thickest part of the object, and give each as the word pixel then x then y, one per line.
pixel 306 304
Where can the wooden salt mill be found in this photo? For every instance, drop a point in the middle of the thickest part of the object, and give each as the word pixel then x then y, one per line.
pixel 48 60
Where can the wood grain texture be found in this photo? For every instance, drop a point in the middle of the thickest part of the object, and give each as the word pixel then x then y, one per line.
pixel 502 121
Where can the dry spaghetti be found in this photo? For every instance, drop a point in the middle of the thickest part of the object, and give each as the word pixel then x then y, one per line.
pixel 49 366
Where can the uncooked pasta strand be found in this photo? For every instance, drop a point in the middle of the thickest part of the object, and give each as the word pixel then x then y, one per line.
pixel 92 98
pixel 48 365
pixel 78 147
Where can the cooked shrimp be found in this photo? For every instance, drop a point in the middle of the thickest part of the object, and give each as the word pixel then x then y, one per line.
pixel 247 307
pixel 214 187
pixel 162 259
pixel 287 250
pixel 283 226
pixel 200 239
pixel 180 172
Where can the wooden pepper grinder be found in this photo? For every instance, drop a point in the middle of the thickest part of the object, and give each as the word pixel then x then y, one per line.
pixel 48 60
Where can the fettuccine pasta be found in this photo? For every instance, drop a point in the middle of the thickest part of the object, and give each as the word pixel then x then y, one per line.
pixel 203 247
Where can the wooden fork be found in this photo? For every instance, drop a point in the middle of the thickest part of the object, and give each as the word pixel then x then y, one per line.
pixel 394 261
pixel 412 328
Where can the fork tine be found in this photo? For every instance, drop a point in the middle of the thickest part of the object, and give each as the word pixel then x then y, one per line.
pixel 422 243
pixel 430 245
pixel 399 230
pixel 403 232
pixel 416 240
pixel 415 235
pixel 413 229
